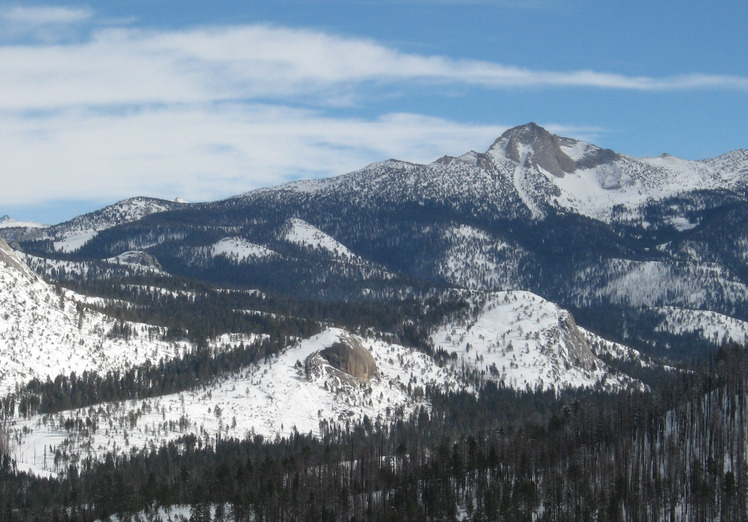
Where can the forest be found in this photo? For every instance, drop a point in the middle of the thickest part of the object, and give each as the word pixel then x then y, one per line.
pixel 677 452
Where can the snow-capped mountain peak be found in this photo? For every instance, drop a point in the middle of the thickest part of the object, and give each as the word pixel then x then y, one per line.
pixel 72 235
pixel 533 146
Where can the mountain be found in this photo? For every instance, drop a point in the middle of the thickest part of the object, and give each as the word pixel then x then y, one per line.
pixel 595 231
pixel 335 378
pixel 489 336
pixel 646 252
pixel 46 332
pixel 9 222
pixel 313 385
pixel 71 235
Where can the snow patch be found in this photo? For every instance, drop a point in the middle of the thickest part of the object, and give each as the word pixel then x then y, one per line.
pixel 301 233
pixel 523 341
pixel 240 250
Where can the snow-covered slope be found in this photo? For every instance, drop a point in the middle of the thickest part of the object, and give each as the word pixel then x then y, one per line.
pixel 521 340
pixel 9 222
pixel 473 259
pixel 73 234
pixel 658 283
pixel 275 398
pixel 239 249
pixel 711 326
pixel 291 392
pixel 44 334
pixel 583 178
pixel 136 259
pixel 301 233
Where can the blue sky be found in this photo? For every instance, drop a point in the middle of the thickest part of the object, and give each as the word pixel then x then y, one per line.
pixel 101 101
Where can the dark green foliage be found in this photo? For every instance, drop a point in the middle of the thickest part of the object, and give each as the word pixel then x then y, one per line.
pixel 504 455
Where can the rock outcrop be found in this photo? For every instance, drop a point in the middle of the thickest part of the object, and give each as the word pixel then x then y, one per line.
pixel 352 358
pixel 347 358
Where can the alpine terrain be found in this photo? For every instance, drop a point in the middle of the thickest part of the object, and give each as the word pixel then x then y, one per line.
pixel 546 330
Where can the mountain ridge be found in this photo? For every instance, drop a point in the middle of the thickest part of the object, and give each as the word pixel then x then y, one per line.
pixel 481 221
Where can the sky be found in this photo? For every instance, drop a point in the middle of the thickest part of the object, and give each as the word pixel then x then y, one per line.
pixel 203 100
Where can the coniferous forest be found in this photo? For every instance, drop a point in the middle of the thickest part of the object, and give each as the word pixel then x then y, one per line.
pixel 545 352
pixel 676 453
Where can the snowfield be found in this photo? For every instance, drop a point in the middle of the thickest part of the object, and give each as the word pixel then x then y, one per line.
pixel 44 333
pixel 301 233
pixel 271 399
pixel 523 341
pixel 240 250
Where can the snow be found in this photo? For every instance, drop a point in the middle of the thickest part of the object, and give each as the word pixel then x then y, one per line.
pixel 520 173
pixel 137 260
pixel 521 340
pixel 44 334
pixel 681 223
pixel 594 192
pixel 655 283
pixel 527 339
pixel 74 240
pixel 271 399
pixel 576 150
pixel 628 184
pixel 72 235
pixel 515 338
pixel 240 249
pixel 9 222
pixel 301 233
pixel 711 326
pixel 473 259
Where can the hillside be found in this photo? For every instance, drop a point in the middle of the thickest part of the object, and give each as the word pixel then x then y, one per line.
pixel 446 341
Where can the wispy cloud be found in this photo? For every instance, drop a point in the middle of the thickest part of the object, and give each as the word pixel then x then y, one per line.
pixel 36 16
pixel 42 23
pixel 125 66
pixel 203 153
pixel 208 112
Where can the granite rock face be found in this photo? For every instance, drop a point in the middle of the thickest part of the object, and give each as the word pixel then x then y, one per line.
pixel 546 151
pixel 533 146
pixel 347 359
pixel 350 356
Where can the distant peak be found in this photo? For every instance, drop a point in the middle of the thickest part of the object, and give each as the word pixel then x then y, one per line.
pixel 527 133
pixel 533 146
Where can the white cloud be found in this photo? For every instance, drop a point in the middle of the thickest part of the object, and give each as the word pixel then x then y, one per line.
pixel 263 62
pixel 36 16
pixel 42 23
pixel 203 153
pixel 209 112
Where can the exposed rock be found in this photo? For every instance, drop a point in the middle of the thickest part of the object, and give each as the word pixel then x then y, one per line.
pixel 11 260
pixel 347 356
pixel 138 257
pixel 578 347
pixel 545 150
pixel 352 358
